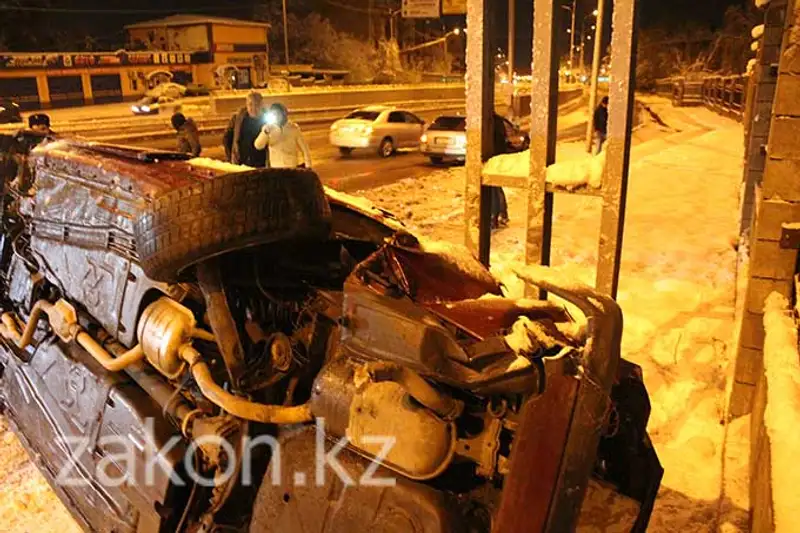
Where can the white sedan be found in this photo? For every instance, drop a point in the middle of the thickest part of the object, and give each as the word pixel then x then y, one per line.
pixel 382 128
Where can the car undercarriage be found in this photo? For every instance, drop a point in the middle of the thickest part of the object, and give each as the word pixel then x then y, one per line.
pixel 190 346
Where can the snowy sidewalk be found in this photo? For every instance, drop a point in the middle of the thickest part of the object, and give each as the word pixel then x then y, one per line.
pixel 677 292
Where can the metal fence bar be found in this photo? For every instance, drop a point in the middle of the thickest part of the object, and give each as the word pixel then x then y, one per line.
pixel 615 178
pixel 544 133
pixel 480 109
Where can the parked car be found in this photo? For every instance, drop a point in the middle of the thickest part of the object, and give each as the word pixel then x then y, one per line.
pixel 380 128
pixel 446 138
pixel 146 105
pixel 9 112
pixel 170 90
pixel 189 345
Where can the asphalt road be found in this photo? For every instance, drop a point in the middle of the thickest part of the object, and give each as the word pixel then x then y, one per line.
pixel 364 169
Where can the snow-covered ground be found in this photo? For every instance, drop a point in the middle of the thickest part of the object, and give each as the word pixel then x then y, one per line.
pixel 677 291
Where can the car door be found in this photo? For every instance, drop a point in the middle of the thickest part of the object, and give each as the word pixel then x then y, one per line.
pixel 397 128
pixel 415 127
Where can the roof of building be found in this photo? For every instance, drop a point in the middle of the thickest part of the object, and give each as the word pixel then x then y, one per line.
pixel 188 20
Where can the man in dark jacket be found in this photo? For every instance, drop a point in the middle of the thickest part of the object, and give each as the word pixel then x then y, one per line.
pixel 188 135
pixel 40 123
pixel 239 138
pixel 600 122
pixel 499 146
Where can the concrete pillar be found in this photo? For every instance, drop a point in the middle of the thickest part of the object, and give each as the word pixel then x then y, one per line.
pixel 772 189
pixel 44 90
pixel 88 93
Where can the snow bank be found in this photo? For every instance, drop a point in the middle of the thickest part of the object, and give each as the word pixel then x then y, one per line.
pixel 519 340
pixel 457 255
pixel 761 3
pixel 757 31
pixel 782 413
pixel 751 66
pixel 570 174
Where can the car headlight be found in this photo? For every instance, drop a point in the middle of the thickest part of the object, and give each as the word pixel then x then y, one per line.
pixel 145 108
pixel 366 130
pixel 135 108
pixel 424 138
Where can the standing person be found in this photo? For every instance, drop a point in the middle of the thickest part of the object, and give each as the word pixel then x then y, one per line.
pixel 500 146
pixel 284 140
pixel 241 134
pixel 188 135
pixel 600 122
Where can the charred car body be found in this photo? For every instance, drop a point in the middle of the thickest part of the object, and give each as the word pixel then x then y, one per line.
pixel 161 316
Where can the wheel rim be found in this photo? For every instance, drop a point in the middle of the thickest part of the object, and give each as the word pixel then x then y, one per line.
pixel 387 148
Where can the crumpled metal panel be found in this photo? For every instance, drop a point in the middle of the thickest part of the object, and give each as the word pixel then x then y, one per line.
pixel 66 199
pixel 95 278
pixel 117 171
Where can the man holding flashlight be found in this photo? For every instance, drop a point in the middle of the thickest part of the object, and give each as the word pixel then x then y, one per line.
pixel 242 131
pixel 283 139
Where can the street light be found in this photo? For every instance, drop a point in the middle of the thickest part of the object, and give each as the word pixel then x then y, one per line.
pixel 571 30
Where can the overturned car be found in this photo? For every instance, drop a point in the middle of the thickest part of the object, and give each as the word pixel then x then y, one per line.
pixel 192 346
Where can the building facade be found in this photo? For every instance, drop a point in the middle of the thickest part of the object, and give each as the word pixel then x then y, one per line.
pixel 206 51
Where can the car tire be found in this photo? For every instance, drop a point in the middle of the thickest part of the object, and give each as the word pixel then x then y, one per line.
pixel 386 148
pixel 345 151
pixel 436 160
pixel 191 224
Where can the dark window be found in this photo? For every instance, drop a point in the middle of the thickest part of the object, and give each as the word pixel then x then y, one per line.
pixel 364 115
pixel 397 117
pixel 412 119
pixel 449 124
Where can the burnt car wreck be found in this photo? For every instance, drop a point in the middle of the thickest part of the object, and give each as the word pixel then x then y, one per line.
pixel 153 303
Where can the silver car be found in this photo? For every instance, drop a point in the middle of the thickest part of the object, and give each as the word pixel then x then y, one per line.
pixel 446 138
pixel 380 128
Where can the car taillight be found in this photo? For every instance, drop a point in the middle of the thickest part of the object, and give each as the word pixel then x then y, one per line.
pixel 461 140
pixel 424 138
pixel 367 130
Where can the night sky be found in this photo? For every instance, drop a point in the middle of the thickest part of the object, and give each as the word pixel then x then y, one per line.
pixel 107 27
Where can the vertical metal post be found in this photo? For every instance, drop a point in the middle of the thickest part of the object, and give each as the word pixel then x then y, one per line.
pixel 480 108
pixel 572 40
pixel 266 59
pixel 512 29
pixel 544 114
pixel 285 35
pixel 369 21
pixel 598 38
pixel 615 179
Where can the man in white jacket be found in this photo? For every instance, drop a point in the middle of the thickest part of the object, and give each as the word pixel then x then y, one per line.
pixel 284 140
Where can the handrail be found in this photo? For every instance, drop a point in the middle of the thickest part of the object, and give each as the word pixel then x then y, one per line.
pixel 725 95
